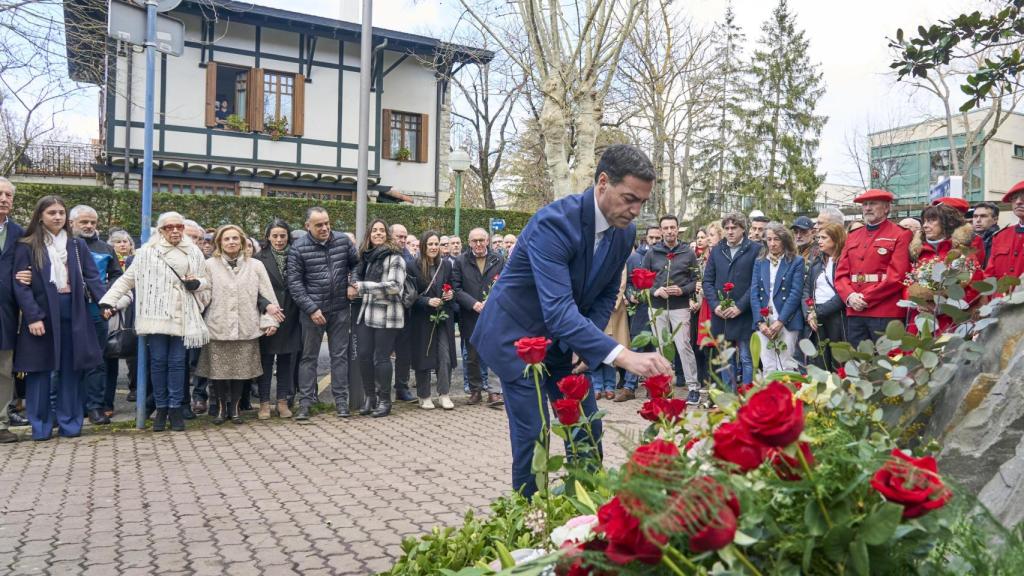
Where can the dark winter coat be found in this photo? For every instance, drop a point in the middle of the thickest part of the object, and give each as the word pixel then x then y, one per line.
pixel 106 259
pixel 721 268
pixel 41 302
pixel 682 273
pixel 288 338
pixel 470 284
pixel 8 305
pixel 420 324
pixel 318 274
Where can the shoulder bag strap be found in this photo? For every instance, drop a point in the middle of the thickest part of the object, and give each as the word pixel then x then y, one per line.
pixel 431 285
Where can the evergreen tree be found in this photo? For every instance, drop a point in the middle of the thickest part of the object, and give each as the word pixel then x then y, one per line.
pixel 786 87
pixel 718 168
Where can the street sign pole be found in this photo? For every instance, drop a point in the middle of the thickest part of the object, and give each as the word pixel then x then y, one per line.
pixel 147 194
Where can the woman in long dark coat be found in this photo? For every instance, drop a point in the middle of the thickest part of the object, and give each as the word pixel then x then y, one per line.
pixel 432 348
pixel 286 343
pixel 56 330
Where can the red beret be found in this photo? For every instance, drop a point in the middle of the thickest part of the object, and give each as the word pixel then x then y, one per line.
pixel 875 194
pixel 1018 187
pixel 955 203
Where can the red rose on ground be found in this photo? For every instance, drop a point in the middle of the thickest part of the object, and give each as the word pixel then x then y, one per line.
pixel 733 443
pixel 766 312
pixel 669 408
pixel 658 386
pixel 642 279
pixel 706 513
pixel 789 467
pixel 626 541
pixel 841 372
pixel 773 416
pixel 574 386
pixel 446 288
pixel 912 482
pixel 532 350
pixel 568 411
pixel 728 286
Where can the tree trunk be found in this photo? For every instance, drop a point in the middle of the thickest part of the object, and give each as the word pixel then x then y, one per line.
pixel 553 125
pixel 588 126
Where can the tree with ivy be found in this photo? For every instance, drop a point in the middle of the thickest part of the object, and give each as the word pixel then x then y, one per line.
pixel 786 86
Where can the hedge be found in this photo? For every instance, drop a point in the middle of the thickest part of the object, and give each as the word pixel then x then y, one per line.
pixel 120 209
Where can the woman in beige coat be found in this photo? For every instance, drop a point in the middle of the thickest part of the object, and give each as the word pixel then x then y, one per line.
pixel 238 284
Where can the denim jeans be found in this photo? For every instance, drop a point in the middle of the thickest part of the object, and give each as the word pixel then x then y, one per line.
pixel 167 369
pixel 95 379
pixel 603 378
pixel 745 361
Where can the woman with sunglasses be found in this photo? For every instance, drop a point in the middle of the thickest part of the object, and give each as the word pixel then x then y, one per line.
pixel 171 290
pixel 57 342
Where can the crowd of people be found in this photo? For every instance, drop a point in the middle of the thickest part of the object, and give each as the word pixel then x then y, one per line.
pixel 235 323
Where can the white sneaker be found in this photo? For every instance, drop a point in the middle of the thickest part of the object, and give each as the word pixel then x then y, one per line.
pixel 426 404
pixel 446 402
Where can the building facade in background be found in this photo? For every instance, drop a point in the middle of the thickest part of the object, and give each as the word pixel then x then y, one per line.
pixel 265 102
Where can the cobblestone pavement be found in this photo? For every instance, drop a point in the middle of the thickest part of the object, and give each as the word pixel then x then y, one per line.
pixel 275 498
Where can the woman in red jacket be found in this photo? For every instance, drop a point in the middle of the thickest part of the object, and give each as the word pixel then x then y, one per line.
pixel 943 230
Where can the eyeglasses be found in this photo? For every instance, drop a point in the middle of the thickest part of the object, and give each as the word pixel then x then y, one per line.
pixel 170 227
pixel 478 241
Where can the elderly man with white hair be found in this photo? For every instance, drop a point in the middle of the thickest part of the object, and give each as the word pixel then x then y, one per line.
pixel 10 232
pixel 829 214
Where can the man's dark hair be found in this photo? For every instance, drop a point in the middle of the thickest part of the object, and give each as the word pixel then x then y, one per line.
pixel 992 206
pixel 652 227
pixel 671 217
pixel 315 210
pixel 621 160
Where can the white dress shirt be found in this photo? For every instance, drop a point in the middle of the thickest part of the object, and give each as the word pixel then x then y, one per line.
pixel 601 226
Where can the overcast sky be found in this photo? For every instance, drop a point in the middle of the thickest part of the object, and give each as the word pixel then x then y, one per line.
pixel 847 39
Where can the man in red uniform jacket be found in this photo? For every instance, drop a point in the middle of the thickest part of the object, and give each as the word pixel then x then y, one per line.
pixel 872 268
pixel 1007 254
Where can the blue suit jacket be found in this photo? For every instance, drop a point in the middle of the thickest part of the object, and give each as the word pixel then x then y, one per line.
pixel 543 290
pixel 787 295
pixel 8 306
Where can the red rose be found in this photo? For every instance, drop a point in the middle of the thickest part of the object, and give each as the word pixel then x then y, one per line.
pixel 572 561
pixel 670 409
pixel 568 410
pixel 574 386
pixel 733 443
pixel 766 312
pixel 744 389
pixel 789 467
pixel 706 513
pixel 728 286
pixel 690 444
pixel 773 416
pixel 658 386
pixel 654 454
pixel 532 350
pixel 841 372
pixel 670 256
pixel 642 279
pixel 912 482
pixel 446 288
pixel 496 276
pixel 895 352
pixel 626 541
pixel 809 302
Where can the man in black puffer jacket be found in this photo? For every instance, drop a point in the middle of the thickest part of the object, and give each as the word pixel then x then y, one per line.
pixel 319 265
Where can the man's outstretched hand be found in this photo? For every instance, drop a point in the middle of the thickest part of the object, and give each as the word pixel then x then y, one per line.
pixel 643 364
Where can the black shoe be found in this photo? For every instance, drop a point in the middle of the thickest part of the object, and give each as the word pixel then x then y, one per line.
pixel 177 418
pixel 187 413
pixel 96 416
pixel 343 412
pixel 383 409
pixel 369 404
pixel 160 420
pixel 17 419
pixel 404 395
pixel 302 414
pixel 131 396
pixel 693 398
pixel 8 437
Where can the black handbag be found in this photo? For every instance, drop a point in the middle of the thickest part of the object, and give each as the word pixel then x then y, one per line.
pixel 121 342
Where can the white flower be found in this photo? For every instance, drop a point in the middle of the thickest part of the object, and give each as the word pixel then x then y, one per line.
pixel 579 529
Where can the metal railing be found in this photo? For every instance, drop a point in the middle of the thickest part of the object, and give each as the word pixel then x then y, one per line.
pixel 67 160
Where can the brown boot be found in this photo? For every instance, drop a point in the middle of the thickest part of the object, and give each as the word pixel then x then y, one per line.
pixel 475 397
pixel 282 409
pixel 264 413
pixel 624 394
pixel 494 400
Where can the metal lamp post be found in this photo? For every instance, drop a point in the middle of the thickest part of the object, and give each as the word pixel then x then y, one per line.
pixel 459 162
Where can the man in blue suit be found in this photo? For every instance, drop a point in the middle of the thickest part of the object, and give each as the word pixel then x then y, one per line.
pixel 10 232
pixel 561 283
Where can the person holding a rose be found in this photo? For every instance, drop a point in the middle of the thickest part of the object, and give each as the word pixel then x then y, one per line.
pixel 431 319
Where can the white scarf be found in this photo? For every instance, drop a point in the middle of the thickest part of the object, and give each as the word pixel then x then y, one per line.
pixel 57 250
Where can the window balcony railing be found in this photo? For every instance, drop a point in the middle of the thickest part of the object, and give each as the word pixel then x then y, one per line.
pixel 63 159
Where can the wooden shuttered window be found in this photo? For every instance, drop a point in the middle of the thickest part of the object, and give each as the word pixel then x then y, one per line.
pixel 299 105
pixel 254 105
pixel 421 145
pixel 412 131
pixel 211 94
pixel 385 135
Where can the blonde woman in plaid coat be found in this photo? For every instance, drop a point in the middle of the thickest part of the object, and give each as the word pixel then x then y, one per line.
pixel 378 279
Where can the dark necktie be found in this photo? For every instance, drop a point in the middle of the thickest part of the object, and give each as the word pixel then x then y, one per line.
pixel 600 255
